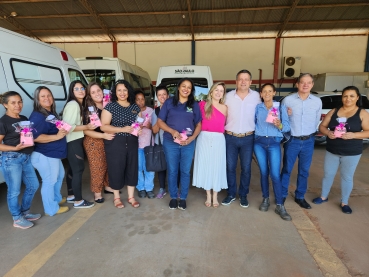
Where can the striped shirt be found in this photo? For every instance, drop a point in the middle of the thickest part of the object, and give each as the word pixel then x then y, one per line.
pixel 305 115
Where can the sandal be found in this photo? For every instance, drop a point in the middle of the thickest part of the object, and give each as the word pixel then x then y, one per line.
pixel 134 203
pixel 215 205
pixel 207 204
pixel 118 203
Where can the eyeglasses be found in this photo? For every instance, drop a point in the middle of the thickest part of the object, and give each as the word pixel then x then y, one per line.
pixel 79 89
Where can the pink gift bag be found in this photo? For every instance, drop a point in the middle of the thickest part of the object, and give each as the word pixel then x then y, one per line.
pixel 136 128
pixel 63 125
pixel 183 138
pixel 26 138
pixel 146 121
pixel 272 115
pixel 106 98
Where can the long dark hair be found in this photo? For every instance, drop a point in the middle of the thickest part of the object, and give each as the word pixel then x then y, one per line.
pixel 71 96
pixel 4 98
pixel 131 92
pixel 88 102
pixel 191 97
pixel 359 102
pixel 36 102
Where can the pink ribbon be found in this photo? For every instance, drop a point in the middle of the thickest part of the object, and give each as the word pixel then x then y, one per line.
pixel 341 125
pixel 274 110
pixel 106 97
pixel 26 130
pixel 59 124
pixel 136 125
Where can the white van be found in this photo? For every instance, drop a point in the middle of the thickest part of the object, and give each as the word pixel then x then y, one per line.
pixel 26 63
pixel 200 75
pixel 106 71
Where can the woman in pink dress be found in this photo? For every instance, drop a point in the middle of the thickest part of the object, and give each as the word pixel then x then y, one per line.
pixel 210 154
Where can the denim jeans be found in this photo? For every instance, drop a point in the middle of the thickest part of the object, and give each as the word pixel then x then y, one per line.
pixel 16 167
pixel 242 147
pixel 51 171
pixel 178 158
pixel 145 178
pixel 268 153
pixel 347 165
pixel 293 149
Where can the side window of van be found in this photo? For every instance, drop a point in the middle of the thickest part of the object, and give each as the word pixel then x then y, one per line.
pixel 76 75
pixel 28 76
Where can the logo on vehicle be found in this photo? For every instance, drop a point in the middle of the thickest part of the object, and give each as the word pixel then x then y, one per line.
pixel 184 70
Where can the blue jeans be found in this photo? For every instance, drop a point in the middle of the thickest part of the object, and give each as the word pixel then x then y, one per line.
pixel 16 167
pixel 51 171
pixel 242 147
pixel 145 178
pixel 347 165
pixel 268 153
pixel 178 158
pixel 293 149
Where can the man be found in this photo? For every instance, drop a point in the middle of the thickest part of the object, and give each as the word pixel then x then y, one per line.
pixel 304 119
pixel 239 135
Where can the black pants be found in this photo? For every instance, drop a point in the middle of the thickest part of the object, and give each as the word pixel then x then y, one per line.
pixel 162 176
pixel 76 159
pixel 122 161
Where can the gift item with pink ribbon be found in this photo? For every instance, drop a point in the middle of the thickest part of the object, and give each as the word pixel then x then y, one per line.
pixel 24 128
pixel 106 98
pixel 273 113
pixel 184 135
pixel 94 118
pixel 137 125
pixel 147 120
pixel 60 124
pixel 341 127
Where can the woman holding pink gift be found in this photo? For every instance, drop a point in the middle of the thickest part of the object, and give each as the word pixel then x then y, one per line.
pixel 122 152
pixel 343 150
pixel 15 162
pixel 267 148
pixel 50 149
pixel 210 155
pixel 73 114
pixel 94 142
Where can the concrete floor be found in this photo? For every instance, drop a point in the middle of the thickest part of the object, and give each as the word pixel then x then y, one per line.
pixel 229 241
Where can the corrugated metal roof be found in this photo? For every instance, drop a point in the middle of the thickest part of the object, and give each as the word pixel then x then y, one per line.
pixel 160 20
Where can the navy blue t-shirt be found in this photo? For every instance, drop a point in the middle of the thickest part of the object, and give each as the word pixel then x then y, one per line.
pixel 179 117
pixel 55 149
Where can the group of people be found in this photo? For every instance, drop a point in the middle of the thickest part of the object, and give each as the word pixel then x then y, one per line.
pixel 215 133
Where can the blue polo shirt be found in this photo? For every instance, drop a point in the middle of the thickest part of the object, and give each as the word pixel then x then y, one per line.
pixel 55 149
pixel 179 117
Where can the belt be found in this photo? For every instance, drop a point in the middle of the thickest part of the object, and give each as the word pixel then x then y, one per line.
pixel 239 135
pixel 304 137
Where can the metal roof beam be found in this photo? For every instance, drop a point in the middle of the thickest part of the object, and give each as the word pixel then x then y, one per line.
pixel 190 15
pixel 92 11
pixel 288 17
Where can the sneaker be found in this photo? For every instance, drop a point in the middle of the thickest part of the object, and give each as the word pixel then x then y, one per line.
pixel 64 200
pixel 150 194
pixel 161 193
pixel 173 204
pixel 264 206
pixel 228 200
pixel 70 200
pixel 84 205
pixel 281 210
pixel 142 194
pixel 22 223
pixel 62 209
pixel 319 200
pixel 243 202
pixel 182 205
pixel 346 209
pixel 32 217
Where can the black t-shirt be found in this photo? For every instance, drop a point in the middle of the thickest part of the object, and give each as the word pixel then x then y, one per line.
pixel 11 137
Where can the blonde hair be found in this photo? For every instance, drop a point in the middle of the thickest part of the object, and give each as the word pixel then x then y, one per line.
pixel 209 104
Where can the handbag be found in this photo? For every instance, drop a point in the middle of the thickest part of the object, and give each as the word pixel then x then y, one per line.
pixel 155 157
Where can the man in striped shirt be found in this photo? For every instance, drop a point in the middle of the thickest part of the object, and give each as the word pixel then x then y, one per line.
pixel 306 111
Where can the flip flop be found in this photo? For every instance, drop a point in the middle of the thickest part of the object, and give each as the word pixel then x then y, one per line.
pixel 134 204
pixel 101 200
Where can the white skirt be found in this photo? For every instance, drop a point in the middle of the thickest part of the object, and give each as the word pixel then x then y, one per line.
pixel 210 162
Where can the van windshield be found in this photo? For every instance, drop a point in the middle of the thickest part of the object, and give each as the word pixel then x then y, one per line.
pixel 201 86
pixel 105 78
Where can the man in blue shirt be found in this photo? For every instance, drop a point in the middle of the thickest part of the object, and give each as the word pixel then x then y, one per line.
pixel 304 119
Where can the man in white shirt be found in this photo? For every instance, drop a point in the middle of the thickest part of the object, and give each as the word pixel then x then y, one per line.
pixel 239 135
pixel 306 112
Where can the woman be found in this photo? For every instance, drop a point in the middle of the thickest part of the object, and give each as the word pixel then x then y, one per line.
pixel 267 147
pixel 50 148
pixel 94 144
pixel 210 154
pixel 180 113
pixel 121 152
pixel 343 152
pixel 72 114
pixel 162 94
pixel 15 162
